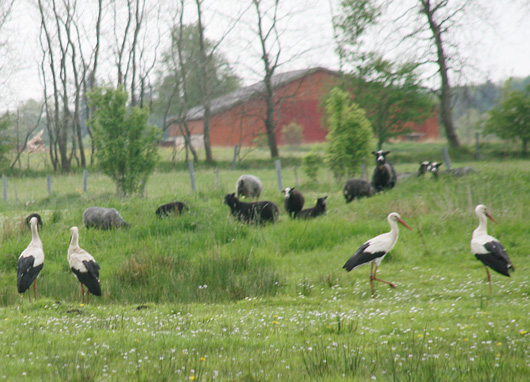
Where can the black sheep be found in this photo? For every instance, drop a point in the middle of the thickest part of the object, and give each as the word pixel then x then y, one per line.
pixel 356 188
pixel 255 212
pixel 384 175
pixel 317 210
pixel 433 168
pixel 424 167
pixel 39 220
pixel 293 201
pixel 171 208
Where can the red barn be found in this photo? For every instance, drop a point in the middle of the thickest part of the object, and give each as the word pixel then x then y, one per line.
pixel 237 118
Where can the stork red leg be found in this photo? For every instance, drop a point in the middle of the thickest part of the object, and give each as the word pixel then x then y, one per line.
pixel 83 292
pixel 34 290
pixel 489 280
pixel 383 281
pixel 371 279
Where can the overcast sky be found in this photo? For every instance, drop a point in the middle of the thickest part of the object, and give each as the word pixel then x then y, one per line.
pixel 500 52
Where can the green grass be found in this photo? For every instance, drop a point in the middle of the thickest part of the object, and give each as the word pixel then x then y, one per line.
pixel 202 297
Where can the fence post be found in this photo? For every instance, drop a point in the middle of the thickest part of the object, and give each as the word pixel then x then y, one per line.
pixel 49 178
pixel 85 180
pixel 278 165
pixel 4 185
pixel 216 177
pixel 236 151
pixel 445 155
pixel 192 175
pixel 296 177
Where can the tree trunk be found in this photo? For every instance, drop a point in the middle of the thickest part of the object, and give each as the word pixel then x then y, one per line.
pixel 445 94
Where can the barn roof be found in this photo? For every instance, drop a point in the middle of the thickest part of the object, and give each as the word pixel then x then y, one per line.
pixel 229 100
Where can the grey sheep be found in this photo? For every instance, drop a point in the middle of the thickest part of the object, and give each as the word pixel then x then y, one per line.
pixel 248 186
pixel 103 218
pixel 356 188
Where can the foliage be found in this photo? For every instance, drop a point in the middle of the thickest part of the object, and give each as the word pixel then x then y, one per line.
pixel 6 141
pixel 126 146
pixel 311 164
pixel 293 134
pixel 391 95
pixel 349 139
pixel 511 117
pixel 169 86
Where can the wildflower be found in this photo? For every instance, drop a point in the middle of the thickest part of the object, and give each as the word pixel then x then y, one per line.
pixel 499 343
pixel 523 332
pixel 82 305
pixel 192 378
pixel 420 335
pixel 275 322
pixel 203 359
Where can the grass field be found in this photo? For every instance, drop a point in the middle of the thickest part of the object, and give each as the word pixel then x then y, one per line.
pixel 202 297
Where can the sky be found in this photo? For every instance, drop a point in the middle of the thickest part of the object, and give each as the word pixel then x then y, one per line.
pixel 500 50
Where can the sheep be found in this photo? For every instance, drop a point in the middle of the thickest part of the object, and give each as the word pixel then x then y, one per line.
pixel 103 218
pixel 384 175
pixel 293 201
pixel 171 208
pixel 356 188
pixel 255 212
pixel 248 186
pixel 34 215
pixel 317 210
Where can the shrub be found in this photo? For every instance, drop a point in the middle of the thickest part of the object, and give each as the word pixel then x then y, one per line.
pixel 293 134
pixel 311 165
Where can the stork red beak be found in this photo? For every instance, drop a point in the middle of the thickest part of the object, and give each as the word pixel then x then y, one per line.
pixel 405 224
pixel 490 217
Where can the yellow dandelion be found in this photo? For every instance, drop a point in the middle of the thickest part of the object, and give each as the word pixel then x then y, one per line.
pixel 497 355
pixel 465 339
pixel 82 305
pixel 7 319
pixel 202 359
pixel 328 327
pixel 420 335
pixel 523 332
pixel 192 378
pixel 275 322
pixel 499 343
pixel 275 316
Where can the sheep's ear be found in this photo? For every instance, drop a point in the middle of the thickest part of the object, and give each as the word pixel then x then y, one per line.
pixel 386 152
pixel 439 164
pixel 373 152
pixel 325 197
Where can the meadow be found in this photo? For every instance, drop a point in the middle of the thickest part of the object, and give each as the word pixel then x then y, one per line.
pixel 203 297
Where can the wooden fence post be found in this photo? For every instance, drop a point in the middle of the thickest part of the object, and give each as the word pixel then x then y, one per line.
pixel 236 151
pixel 85 180
pixel 447 160
pixel 49 178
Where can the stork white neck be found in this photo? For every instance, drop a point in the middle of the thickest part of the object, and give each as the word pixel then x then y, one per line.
pixel 483 216
pixel 35 238
pixel 74 240
pixel 394 230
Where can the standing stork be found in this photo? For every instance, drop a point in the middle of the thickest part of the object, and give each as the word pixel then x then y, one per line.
pixel 374 250
pixel 488 249
pixel 84 266
pixel 30 262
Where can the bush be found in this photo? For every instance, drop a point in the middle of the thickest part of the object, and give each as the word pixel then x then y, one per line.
pixel 293 134
pixel 311 165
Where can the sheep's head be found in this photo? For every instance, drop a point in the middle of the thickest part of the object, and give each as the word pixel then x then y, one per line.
pixel 322 201
pixel 424 166
pixel 380 157
pixel 231 199
pixel 287 192
pixel 433 168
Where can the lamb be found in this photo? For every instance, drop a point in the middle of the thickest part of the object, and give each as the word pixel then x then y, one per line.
pixel 255 212
pixel 34 215
pixel 293 201
pixel 424 166
pixel 103 218
pixel 248 186
pixel 433 168
pixel 317 210
pixel 356 188
pixel 384 175
pixel 175 208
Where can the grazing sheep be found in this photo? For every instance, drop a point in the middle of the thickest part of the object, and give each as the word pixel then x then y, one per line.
pixel 317 210
pixel 248 186
pixel 171 208
pixel 103 218
pixel 384 176
pixel 356 188
pixel 255 212
pixel 34 215
pixel 293 201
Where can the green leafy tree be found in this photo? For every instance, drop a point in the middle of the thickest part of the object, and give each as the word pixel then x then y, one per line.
pixel 6 142
pixel 392 97
pixel 126 146
pixel 510 119
pixel 311 164
pixel 350 135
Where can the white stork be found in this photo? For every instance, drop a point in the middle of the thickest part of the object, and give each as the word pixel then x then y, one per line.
pixel 30 262
pixel 84 266
pixel 374 250
pixel 488 249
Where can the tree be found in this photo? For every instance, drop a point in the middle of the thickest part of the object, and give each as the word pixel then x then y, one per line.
pixel 350 135
pixel 391 95
pixel 511 117
pixel 6 142
pixel 126 145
